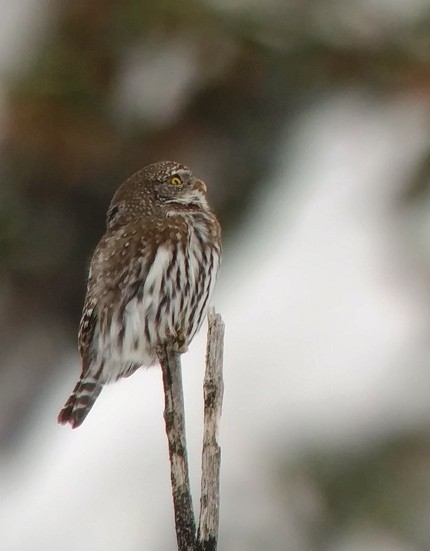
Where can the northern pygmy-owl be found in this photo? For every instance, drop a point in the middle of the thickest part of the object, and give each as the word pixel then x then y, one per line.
pixel 150 279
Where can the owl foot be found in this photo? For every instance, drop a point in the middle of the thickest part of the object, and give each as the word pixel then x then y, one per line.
pixel 180 343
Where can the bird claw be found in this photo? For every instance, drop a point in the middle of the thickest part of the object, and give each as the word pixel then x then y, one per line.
pixel 183 348
pixel 180 343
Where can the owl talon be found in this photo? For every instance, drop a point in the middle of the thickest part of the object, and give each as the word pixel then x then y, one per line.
pixel 180 343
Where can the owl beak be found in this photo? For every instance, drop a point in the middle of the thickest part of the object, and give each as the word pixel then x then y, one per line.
pixel 200 186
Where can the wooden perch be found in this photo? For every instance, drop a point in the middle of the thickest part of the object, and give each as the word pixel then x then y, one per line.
pixel 174 416
pixel 213 389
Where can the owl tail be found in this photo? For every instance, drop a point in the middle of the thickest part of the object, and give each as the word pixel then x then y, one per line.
pixel 82 399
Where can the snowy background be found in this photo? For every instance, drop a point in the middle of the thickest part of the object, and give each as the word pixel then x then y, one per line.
pixel 323 289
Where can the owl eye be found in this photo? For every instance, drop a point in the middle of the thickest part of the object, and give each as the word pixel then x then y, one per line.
pixel 175 180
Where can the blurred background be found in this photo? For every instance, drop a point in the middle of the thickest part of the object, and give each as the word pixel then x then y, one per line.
pixel 310 121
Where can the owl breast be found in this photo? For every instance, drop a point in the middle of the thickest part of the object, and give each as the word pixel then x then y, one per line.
pixel 170 302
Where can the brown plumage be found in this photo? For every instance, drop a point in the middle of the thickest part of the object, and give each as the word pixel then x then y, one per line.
pixel 150 279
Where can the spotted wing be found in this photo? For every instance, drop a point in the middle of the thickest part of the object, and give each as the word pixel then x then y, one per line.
pixel 119 268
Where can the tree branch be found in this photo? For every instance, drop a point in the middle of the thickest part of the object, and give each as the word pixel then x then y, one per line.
pixel 174 418
pixel 213 389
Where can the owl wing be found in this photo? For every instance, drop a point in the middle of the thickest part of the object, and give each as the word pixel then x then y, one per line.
pixel 86 329
pixel 118 272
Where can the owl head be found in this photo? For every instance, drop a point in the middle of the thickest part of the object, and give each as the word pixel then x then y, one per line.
pixel 161 188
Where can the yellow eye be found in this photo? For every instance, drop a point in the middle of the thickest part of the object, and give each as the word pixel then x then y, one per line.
pixel 175 181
